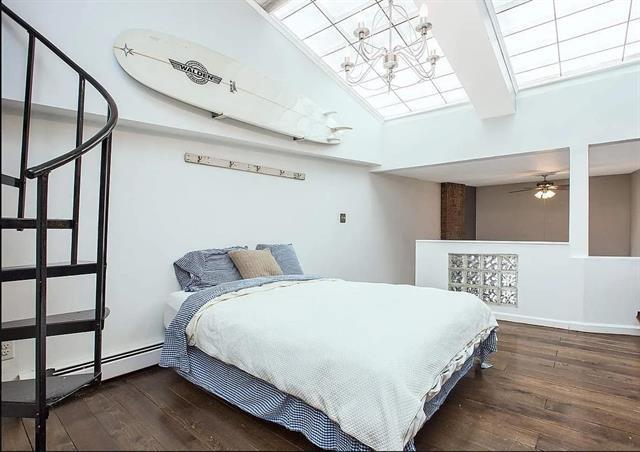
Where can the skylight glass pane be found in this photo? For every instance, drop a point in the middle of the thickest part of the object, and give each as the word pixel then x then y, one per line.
pixel 383 100
pixel 539 75
pixel 596 60
pixel 529 14
pixel 635 9
pixel 326 41
pixel 326 28
pixel 534 59
pixel 426 103
pixel 594 42
pixel 371 88
pixel 394 110
pixel 405 78
pixel 531 39
pixel 348 25
pixel 447 83
pixel 408 30
pixel 418 90
pixel 381 39
pixel 455 96
pixel 289 7
pixel 633 35
pixel 408 6
pixel 337 10
pixel 564 7
pixel 605 15
pixel 632 51
pixel 306 21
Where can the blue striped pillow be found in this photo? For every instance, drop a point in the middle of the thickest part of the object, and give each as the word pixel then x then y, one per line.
pixel 285 256
pixel 205 268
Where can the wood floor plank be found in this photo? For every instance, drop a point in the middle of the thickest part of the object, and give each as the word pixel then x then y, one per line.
pixel 215 431
pixel 549 389
pixel 57 436
pixel 86 432
pixel 126 430
pixel 170 434
pixel 14 436
pixel 253 429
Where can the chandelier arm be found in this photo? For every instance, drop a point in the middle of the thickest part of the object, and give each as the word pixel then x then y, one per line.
pixel 357 79
pixel 419 70
pixel 371 54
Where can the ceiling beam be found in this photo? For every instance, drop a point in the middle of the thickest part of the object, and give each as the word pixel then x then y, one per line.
pixel 464 30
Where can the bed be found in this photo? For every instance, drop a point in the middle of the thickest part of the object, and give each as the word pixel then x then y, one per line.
pixel 352 366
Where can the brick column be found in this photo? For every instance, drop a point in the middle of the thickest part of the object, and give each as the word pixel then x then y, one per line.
pixel 452 211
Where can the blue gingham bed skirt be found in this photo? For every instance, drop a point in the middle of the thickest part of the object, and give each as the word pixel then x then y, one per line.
pixel 265 401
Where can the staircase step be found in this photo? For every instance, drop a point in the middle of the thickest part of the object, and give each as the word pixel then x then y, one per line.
pixel 67 323
pixel 11 181
pixel 30 223
pixel 53 270
pixel 18 397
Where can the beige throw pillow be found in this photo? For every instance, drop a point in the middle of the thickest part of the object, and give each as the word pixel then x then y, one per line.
pixel 254 264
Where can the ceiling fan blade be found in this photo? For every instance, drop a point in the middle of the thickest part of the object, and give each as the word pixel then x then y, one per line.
pixel 563 187
pixel 524 189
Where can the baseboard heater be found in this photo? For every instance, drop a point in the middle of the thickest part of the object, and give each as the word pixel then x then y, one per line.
pixel 120 363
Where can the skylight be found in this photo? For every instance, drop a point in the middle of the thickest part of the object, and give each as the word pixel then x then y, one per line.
pixel 550 39
pixel 326 28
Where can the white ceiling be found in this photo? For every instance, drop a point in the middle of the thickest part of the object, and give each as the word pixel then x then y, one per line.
pixel 495 171
pixel 614 158
pixel 604 159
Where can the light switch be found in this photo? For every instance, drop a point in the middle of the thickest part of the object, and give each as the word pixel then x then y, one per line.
pixel 343 218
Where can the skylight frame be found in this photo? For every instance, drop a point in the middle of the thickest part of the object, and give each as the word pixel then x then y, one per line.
pixel 449 97
pixel 525 78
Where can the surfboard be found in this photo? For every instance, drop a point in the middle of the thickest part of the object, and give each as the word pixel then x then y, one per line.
pixel 204 78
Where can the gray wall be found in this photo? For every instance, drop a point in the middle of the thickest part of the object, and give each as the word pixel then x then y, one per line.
pixel 501 215
pixel 610 215
pixel 614 215
pixel 635 213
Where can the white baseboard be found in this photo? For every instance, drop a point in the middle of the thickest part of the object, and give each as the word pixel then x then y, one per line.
pixel 608 328
pixel 120 364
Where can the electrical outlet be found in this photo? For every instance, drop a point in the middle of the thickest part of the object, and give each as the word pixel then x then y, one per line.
pixel 7 350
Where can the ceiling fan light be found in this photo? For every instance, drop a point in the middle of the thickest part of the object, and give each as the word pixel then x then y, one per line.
pixel 544 194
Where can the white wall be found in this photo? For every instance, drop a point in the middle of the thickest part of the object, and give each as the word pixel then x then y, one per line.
pixel 554 288
pixel 162 207
pixel 86 32
pixel 592 109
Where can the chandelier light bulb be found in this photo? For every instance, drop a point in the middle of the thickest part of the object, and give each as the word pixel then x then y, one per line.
pixel 424 11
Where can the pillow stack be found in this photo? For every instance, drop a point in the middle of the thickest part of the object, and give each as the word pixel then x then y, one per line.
pixel 198 270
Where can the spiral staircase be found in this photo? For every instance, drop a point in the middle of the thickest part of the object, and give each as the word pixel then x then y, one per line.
pixel 33 397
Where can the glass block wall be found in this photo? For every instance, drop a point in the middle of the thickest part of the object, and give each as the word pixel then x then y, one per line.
pixel 492 277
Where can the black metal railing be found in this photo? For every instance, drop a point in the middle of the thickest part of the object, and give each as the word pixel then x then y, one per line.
pixel 41 173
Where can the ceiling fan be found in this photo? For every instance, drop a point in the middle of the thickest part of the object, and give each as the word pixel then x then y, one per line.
pixel 544 189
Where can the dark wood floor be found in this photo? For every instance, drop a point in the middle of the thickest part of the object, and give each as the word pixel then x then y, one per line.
pixel 550 389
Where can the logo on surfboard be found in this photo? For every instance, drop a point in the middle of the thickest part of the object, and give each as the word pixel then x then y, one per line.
pixel 196 72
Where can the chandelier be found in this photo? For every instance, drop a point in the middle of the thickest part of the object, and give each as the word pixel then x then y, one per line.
pixel 414 54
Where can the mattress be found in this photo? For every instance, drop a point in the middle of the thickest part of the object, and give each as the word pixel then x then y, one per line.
pixel 172 305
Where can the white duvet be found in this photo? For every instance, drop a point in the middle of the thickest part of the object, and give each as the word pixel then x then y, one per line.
pixel 367 355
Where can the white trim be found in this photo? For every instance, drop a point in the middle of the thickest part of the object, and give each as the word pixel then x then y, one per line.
pixel 13 106
pixel 315 59
pixel 114 368
pixel 492 242
pixel 608 328
pixel 130 364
